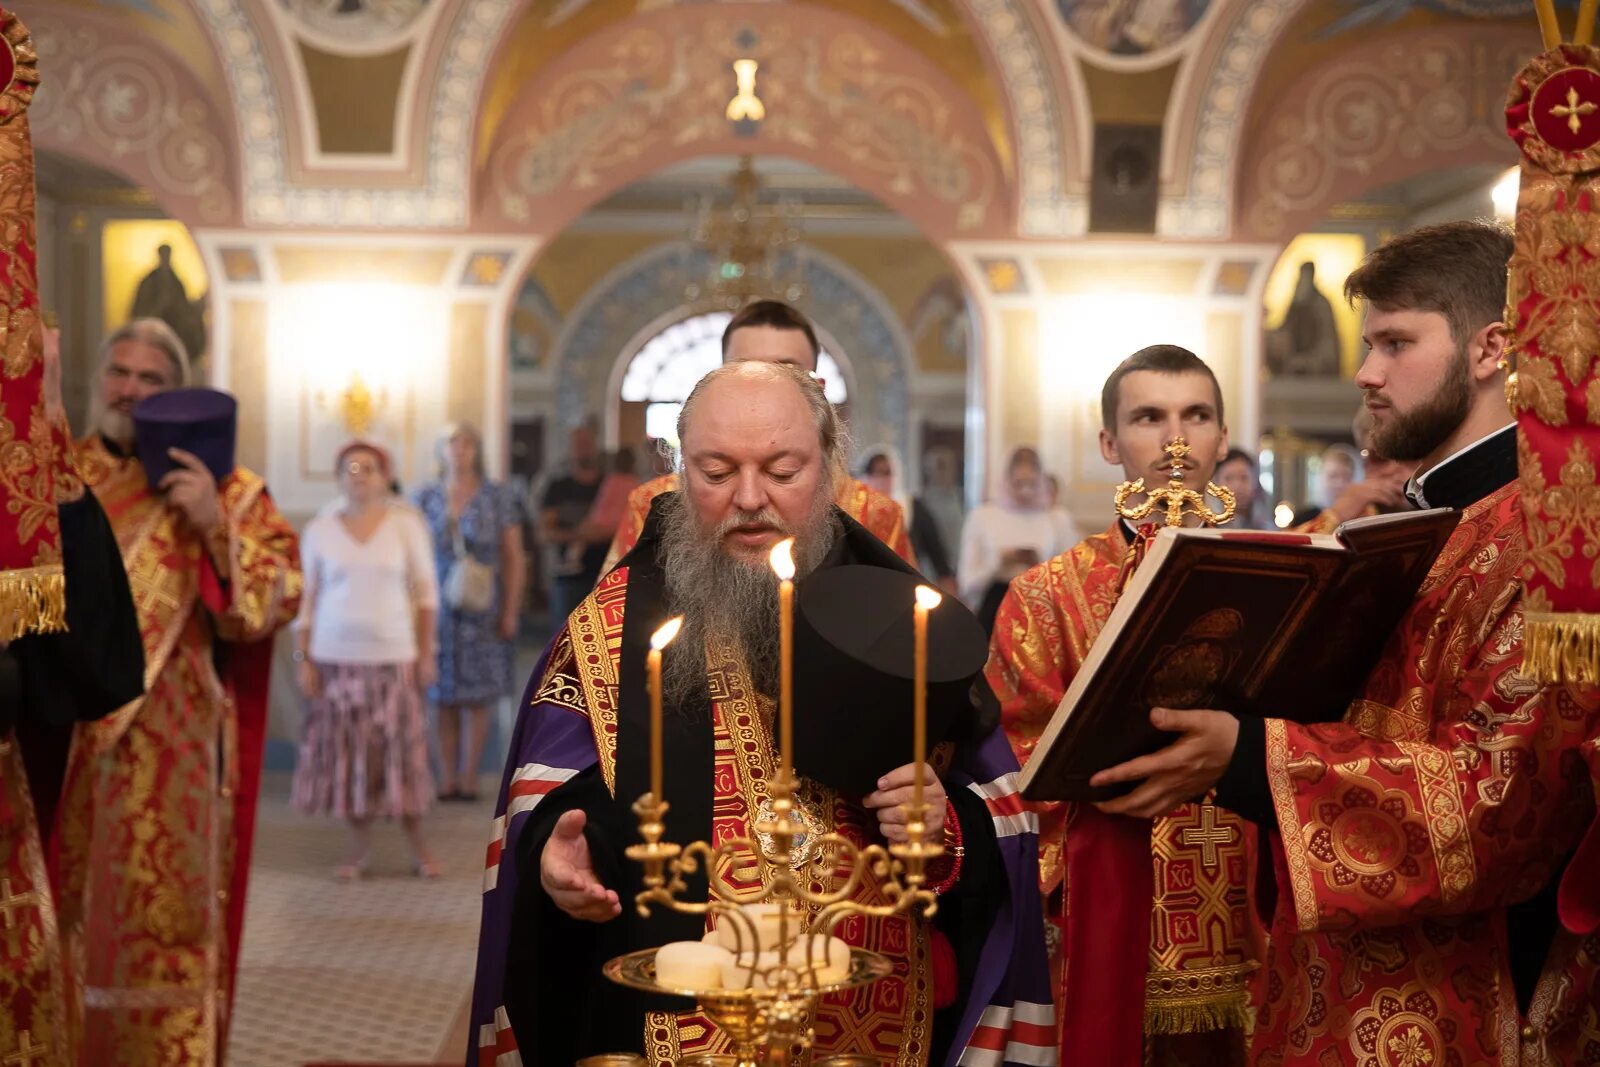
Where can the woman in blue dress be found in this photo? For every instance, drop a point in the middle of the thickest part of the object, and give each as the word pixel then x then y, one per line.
pixel 476 526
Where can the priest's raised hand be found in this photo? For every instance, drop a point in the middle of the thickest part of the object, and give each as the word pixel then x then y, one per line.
pixel 567 873
pixel 1179 773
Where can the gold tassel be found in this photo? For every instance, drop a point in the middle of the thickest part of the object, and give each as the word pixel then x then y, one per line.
pixel 1197 1016
pixel 1561 647
pixel 32 601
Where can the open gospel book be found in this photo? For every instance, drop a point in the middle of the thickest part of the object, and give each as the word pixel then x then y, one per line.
pixel 1281 625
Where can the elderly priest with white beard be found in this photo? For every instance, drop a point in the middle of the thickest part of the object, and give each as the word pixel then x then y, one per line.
pixel 762 452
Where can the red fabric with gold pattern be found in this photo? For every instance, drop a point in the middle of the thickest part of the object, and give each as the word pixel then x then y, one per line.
pixel 149 857
pixel 882 517
pixel 1553 311
pixel 1452 788
pixel 33 451
pixel 1178 885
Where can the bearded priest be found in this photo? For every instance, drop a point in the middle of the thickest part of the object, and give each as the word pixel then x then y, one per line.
pixel 158 807
pixel 770 331
pixel 763 452
pixel 1415 844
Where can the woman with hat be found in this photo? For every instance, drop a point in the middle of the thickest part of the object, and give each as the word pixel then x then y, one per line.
pixel 364 652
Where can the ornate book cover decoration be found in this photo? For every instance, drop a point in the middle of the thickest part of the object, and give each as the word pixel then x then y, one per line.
pixel 1277 625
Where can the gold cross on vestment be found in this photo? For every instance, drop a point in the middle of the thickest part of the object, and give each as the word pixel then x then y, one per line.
pixel 1208 835
pixel 28 1054
pixel 10 903
pixel 150 581
pixel 1573 111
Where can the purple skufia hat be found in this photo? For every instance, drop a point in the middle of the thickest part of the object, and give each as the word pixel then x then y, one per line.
pixel 198 420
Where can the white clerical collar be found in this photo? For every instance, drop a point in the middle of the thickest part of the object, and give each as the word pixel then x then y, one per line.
pixel 1416 486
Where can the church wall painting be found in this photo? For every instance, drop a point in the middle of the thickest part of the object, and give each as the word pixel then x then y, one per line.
pixel 1303 347
pixel 134 278
pixel 1131 33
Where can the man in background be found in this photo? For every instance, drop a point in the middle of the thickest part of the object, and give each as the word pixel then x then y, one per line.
pixel 579 552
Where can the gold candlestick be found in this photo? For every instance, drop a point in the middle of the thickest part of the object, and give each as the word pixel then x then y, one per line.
pixel 658 643
pixel 782 559
pixel 1178 500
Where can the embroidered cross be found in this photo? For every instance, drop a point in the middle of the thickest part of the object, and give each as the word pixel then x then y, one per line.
pixel 1208 835
pixel 1573 111
pixel 10 904
pixel 27 1054
pixel 149 589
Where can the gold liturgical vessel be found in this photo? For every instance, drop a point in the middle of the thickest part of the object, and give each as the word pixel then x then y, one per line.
pixel 767 1010
pixel 1177 499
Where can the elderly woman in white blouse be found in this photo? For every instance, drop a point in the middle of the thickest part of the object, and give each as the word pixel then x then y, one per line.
pixel 364 646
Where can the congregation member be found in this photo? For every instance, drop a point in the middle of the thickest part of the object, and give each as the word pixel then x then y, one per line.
pixel 769 331
pixel 1005 537
pixel 1239 474
pixel 364 653
pixel 577 554
pixel 937 515
pixel 1177 972
pixel 1415 845
pixel 167 785
pixel 475 526
pixel 763 452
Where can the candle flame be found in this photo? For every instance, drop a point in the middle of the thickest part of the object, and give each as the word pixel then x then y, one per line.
pixel 782 559
pixel 663 637
pixel 928 597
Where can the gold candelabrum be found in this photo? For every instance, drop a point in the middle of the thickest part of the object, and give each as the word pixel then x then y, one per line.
pixel 1177 499
pixel 768 1014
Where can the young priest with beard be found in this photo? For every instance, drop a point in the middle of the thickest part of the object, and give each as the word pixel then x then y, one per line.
pixel 1414 845
pixel 762 453
pixel 1187 990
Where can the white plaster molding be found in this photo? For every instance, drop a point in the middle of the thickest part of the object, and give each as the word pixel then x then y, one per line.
pixel 1205 207
pixel 1045 208
pixel 270 199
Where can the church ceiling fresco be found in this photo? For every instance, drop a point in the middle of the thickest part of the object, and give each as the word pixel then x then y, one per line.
pixel 936 29
pixel 838 95
pixel 129 106
pixel 1131 33
pixel 1394 106
pixel 366 25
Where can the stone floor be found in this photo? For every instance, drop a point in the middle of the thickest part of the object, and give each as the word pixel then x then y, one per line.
pixel 375 971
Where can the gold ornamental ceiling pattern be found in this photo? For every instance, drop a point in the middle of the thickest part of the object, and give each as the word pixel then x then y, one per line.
pixel 938 31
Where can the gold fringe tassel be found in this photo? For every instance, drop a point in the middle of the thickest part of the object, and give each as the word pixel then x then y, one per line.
pixel 1197 1016
pixel 32 601
pixel 1561 647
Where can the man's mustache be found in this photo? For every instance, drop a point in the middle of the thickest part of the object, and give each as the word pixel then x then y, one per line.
pixel 763 517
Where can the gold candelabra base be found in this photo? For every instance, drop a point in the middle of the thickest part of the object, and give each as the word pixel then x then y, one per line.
pixel 771 1018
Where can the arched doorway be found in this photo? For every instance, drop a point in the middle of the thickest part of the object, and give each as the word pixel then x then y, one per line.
pixel 657 378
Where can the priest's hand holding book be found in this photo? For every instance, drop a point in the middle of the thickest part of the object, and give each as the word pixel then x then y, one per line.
pixel 1185 769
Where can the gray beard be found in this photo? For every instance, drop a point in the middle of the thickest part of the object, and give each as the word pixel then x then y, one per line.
pixel 114 426
pixel 727 597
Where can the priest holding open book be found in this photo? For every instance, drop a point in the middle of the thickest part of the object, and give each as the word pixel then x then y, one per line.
pixel 1098 871
pixel 1415 841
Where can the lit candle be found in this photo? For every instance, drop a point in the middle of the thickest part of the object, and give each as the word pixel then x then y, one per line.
pixel 927 599
pixel 782 559
pixel 658 641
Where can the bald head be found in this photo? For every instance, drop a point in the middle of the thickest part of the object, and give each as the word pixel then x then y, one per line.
pixel 761 445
